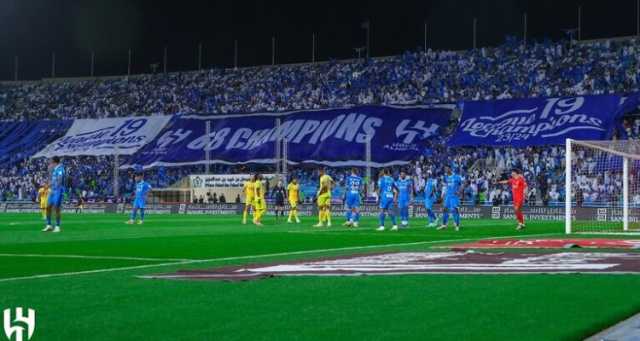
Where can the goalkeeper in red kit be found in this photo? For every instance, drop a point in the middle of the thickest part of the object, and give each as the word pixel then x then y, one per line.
pixel 518 188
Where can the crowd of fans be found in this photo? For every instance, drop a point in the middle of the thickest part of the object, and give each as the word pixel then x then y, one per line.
pixel 512 70
pixel 89 177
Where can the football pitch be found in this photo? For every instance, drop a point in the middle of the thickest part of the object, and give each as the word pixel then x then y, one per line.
pixel 84 283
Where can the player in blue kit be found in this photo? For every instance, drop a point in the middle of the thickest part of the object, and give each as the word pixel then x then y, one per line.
pixel 453 183
pixel 352 198
pixel 56 193
pixel 387 195
pixel 142 188
pixel 404 185
pixel 430 190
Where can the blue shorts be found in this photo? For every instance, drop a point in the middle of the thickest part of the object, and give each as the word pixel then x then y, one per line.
pixel 451 202
pixel 55 198
pixel 353 200
pixel 386 203
pixel 428 204
pixel 138 203
pixel 403 203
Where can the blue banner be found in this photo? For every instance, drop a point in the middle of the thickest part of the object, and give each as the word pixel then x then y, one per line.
pixel 20 139
pixel 536 121
pixel 337 137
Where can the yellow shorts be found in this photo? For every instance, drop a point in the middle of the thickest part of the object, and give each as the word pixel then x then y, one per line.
pixel 324 199
pixel 293 204
pixel 259 204
pixel 249 201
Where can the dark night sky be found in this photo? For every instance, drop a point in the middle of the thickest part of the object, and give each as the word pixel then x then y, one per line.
pixel 33 29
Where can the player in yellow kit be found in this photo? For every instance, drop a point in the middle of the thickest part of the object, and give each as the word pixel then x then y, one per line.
pixel 293 190
pixel 324 199
pixel 248 198
pixel 43 198
pixel 259 203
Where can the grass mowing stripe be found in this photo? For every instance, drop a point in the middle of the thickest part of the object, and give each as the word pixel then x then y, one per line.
pixel 412 228
pixel 199 261
pixel 120 221
pixel 610 234
pixel 95 257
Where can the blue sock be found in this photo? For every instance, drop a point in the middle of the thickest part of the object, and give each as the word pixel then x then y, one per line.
pixel 48 219
pixel 456 216
pixel 393 219
pixel 348 215
pixel 357 216
pixel 142 214
pixel 134 212
pixel 405 214
pixel 382 216
pixel 58 219
pixel 432 216
pixel 445 217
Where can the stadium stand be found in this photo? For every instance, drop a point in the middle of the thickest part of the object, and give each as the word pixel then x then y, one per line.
pixel 42 110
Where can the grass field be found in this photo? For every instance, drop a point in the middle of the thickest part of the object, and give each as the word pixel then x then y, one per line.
pixel 83 284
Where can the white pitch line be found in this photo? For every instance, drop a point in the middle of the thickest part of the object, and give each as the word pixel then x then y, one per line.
pixel 94 257
pixel 196 261
pixel 63 274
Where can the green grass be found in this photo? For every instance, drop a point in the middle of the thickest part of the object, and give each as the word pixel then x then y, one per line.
pixel 99 297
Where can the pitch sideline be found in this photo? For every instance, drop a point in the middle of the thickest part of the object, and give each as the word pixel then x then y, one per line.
pixel 199 261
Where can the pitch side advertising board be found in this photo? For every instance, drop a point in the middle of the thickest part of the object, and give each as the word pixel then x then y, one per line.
pixel 602 214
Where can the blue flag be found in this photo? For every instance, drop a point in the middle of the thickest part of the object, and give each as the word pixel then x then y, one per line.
pixel 536 121
pixel 336 137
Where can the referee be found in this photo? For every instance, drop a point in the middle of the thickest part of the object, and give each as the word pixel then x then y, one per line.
pixel 279 193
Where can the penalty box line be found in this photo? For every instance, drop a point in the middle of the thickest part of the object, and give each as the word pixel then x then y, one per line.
pixel 279 254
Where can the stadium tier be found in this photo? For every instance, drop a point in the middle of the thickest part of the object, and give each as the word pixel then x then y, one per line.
pixel 405 86
pixel 509 71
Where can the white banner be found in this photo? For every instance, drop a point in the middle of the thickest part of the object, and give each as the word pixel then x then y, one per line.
pixel 222 180
pixel 106 136
pixel 204 186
